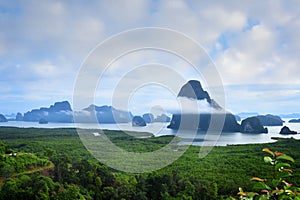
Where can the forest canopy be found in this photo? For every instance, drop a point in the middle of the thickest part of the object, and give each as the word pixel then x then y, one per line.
pixel 54 164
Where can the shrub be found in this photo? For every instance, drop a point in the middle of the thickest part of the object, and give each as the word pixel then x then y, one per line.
pixel 278 187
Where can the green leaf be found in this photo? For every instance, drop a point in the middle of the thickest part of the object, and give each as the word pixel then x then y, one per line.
pixel 284 174
pixel 285 157
pixel 261 186
pixel 252 194
pixel 268 159
pixel 275 182
pixel 263 197
pixel 279 165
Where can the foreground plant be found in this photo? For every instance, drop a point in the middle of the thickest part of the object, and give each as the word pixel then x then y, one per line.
pixel 278 187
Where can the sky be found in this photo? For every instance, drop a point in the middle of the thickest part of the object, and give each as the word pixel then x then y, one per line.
pixel 254 47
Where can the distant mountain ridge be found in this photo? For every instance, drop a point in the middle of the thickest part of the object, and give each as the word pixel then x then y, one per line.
pixel 62 112
pixel 292 115
pixel 108 114
pixel 294 121
pixel 244 115
pixel 59 112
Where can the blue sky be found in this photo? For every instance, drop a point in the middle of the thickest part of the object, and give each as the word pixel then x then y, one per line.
pixel 254 45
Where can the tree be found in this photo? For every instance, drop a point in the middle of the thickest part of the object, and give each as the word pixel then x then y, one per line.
pixel 69 192
pixel 43 186
pixel 6 171
pixel 9 189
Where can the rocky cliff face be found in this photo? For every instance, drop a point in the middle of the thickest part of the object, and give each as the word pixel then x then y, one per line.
pixel 194 90
pixel 138 121
pixel 252 125
pixel 201 121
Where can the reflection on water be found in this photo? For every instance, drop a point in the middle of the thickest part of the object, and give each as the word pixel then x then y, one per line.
pixel 188 137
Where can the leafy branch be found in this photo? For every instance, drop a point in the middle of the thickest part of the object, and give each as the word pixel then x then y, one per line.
pixel 278 187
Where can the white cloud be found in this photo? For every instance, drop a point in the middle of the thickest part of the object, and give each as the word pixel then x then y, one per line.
pixel 123 14
pixel 245 60
pixel 182 105
pixel 269 98
pixel 43 43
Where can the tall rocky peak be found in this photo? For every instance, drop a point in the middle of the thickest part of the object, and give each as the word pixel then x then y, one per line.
pixel 194 90
pixel 201 121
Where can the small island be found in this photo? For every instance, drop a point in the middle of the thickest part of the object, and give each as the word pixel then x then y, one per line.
pixel 138 121
pixel 252 125
pixel 286 131
pixel 294 121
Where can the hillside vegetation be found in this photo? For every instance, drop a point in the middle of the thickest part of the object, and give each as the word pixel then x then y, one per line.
pixel 77 175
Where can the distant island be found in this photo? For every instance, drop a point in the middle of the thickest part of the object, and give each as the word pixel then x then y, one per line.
pixel 202 120
pixel 286 131
pixel 244 115
pixel 2 118
pixel 294 121
pixel 266 120
pixel 249 122
pixel 270 120
pixel 293 115
pixel 61 112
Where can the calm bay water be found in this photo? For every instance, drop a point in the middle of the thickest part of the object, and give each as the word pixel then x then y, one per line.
pixel 158 129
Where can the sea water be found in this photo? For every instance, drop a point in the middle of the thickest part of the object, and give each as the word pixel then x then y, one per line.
pixel 188 137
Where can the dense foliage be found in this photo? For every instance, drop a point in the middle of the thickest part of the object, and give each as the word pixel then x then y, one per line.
pixel 76 174
pixel 12 162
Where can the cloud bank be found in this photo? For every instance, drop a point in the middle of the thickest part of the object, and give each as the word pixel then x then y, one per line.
pixel 42 45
